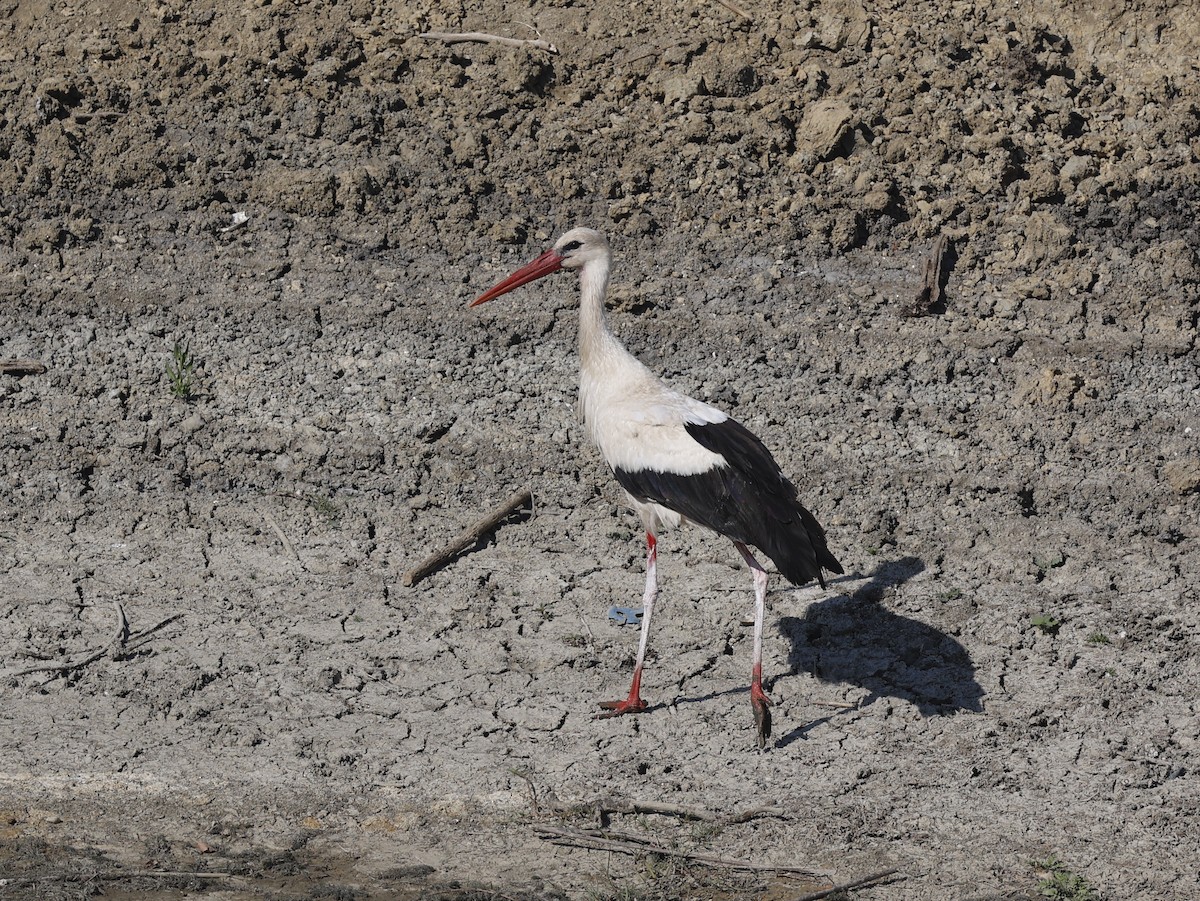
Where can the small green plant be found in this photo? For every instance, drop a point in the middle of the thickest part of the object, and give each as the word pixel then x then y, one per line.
pixel 181 370
pixel 703 833
pixel 1053 561
pixel 1060 883
pixel 1099 638
pixel 325 508
pixel 657 867
pixel 1047 623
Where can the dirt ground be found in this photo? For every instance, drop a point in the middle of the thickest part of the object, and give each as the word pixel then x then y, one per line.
pixel 213 683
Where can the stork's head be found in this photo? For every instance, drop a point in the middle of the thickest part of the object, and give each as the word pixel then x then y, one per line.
pixel 574 250
pixel 580 246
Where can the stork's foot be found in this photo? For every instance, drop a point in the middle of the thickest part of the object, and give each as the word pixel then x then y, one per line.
pixel 762 713
pixel 618 708
pixel 632 704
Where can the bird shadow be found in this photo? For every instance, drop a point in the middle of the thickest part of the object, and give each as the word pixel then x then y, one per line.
pixel 853 638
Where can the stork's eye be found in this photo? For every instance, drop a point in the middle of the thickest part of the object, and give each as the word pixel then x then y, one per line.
pixel 572 246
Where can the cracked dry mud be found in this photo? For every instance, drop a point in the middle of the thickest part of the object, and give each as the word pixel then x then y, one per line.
pixel 1008 672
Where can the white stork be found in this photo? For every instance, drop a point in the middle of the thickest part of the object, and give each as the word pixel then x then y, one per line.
pixel 679 460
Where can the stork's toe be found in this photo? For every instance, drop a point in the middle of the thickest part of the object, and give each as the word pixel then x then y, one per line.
pixel 619 708
pixel 762 713
pixel 762 723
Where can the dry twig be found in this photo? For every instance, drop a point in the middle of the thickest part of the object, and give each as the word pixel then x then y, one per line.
pixel 467 537
pixel 484 38
pixel 589 638
pixel 22 367
pixel 847 886
pixel 736 10
pixel 625 843
pixel 533 797
pixel 609 805
pixel 838 705
pixel 131 642
pixel 142 637
pixel 121 636
pixel 278 530
pixel 60 668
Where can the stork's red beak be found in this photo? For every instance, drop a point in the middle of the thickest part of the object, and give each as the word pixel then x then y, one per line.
pixel 550 261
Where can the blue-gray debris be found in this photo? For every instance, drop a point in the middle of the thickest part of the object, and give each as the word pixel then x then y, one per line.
pixel 625 616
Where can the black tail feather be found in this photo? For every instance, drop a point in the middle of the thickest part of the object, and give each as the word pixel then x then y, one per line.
pixel 798 548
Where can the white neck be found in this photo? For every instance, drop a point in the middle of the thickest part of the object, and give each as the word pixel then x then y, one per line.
pixel 609 375
pixel 595 340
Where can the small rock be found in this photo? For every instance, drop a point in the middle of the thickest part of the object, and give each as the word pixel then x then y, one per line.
pixel 824 129
pixel 683 87
pixel 1077 168
pixel 876 201
pixel 1051 560
pixel 509 231
pixel 1182 475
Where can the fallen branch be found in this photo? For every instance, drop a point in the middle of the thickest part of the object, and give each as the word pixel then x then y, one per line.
pixel 484 38
pixel 932 295
pixel 22 367
pixel 624 843
pixel 468 537
pixel 847 886
pixel 608 805
pixel 61 669
pixel 838 705
pixel 753 813
pixel 144 635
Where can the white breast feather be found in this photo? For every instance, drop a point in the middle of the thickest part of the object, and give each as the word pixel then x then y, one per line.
pixel 640 426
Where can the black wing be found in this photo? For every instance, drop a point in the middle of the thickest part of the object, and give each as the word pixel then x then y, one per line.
pixel 748 500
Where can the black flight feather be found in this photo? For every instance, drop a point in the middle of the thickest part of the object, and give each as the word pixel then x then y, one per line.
pixel 749 500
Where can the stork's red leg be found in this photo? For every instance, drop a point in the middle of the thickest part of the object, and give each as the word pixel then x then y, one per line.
pixel 634 703
pixel 762 707
pixel 758 698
